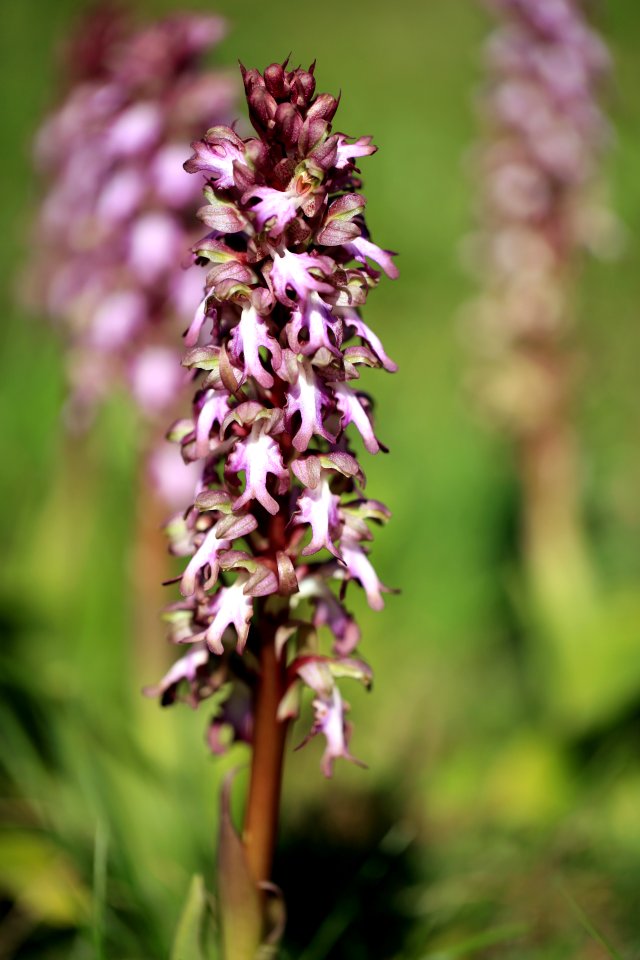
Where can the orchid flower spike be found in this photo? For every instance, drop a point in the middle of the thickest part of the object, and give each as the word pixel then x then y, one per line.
pixel 281 525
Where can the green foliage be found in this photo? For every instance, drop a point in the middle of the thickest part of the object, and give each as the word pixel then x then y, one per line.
pixel 240 903
pixel 195 936
pixel 41 880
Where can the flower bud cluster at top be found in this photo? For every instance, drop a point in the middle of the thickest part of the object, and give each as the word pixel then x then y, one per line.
pixel 277 345
pixel 118 214
pixel 544 136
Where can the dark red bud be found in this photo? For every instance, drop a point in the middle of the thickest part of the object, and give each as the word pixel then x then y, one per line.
pixel 274 80
pixel 262 108
pixel 324 106
pixel 289 121
pixel 304 85
pixel 251 78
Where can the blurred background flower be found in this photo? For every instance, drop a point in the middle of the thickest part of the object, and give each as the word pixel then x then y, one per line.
pixel 487 824
pixel 543 203
pixel 119 211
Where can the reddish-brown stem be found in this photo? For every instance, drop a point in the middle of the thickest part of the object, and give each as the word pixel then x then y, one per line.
pixel 269 733
pixel 261 817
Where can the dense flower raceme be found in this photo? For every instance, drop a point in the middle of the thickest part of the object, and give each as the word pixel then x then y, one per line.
pixel 541 203
pixel 280 514
pixel 119 210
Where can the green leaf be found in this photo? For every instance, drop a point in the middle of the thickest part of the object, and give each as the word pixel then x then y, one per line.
pixel 590 927
pixel 194 937
pixel 239 898
pixel 100 870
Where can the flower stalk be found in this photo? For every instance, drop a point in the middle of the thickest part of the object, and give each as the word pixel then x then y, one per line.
pixel 267 759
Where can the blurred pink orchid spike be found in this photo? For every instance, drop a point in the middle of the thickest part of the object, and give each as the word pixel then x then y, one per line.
pixel 118 214
pixel 541 207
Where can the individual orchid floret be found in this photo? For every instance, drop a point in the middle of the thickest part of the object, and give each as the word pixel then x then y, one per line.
pixel 212 408
pixel 247 338
pixel 330 612
pixel 320 674
pixel 353 408
pixel 277 206
pixel 279 530
pixel 329 719
pixel 361 569
pixel 346 152
pixel 360 328
pixel 207 555
pixel 258 456
pixel 321 329
pixel 362 249
pixel 354 555
pixel 216 154
pixel 292 271
pixel 307 400
pixel 190 669
pixel 320 509
pixel 230 607
pixel 318 505
pixel 200 317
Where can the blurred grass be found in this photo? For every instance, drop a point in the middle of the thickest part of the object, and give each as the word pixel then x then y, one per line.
pixel 506 798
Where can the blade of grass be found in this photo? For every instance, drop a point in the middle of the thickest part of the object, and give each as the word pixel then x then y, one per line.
pixel 588 926
pixel 100 866
pixel 478 942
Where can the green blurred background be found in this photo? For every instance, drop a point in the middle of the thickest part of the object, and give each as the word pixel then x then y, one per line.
pixel 500 816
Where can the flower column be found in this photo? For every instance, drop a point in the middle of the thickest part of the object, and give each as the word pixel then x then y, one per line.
pixel 280 517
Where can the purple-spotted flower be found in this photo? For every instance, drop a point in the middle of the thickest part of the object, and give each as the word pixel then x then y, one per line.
pixel 280 525
pixel 118 213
